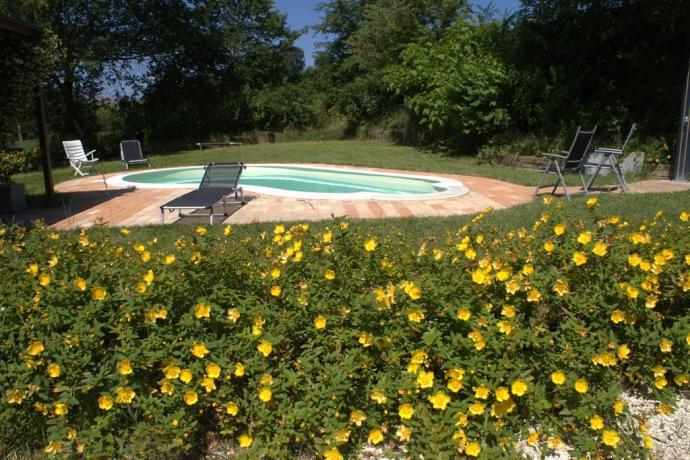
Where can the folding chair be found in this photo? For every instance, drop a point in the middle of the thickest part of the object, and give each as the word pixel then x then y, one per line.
pixel 77 158
pixel 570 161
pixel 131 154
pixel 610 160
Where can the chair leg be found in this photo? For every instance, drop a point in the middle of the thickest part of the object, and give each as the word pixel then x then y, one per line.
pixel 561 181
pixel 582 180
pixel 162 216
pixel 541 181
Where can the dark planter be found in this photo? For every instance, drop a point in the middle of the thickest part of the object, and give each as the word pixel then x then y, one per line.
pixel 12 198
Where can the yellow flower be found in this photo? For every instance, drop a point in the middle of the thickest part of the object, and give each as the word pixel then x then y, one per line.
pixel 600 249
pixel 592 202
pixel 634 260
pixel 559 229
pixel 275 273
pixel 561 287
pixel 519 387
pixel 257 324
pixel 476 408
pixel 666 346
pixel 166 388
pixel 202 310
pixel 342 435
pixel 141 288
pixel 479 277
pixel 201 230
pixel 505 327
pixel 623 352
pixel 32 269
pixel 54 371
pixel 684 216
pixel 648 442
pixel 596 422
pixel 405 411
pixel 171 372
pixel 36 348
pixel 98 293
pixel 327 237
pixel 265 394
pixel 357 417
pixel 105 403
pixel 191 398
pixel 44 279
pixel 412 290
pixel 558 377
pixel 533 438
pixel 528 269
pixel 632 292
pixel 332 454
pixel 502 394
pixel 660 382
pixel 80 283
pixel 454 385
pixel 617 316
pixel 124 395
pixel 169 259
pixel 611 438
pixel 145 256
pixel 481 392
pixel 199 350
pixel 53 447
pixel 329 275
pixel 508 311
pixel 233 314
pixel 366 339
pixel 618 406
pixel 425 379
pixel 581 386
pixel 239 369
pixel 584 237
pixel 320 322
pixel 415 315
pixel 266 379
pixel 231 408
pixel 554 442
pixel 213 370
pixel 473 449
pixel 370 245
pixel 124 367
pixel 245 441
pixel 439 400
pixel 60 409
pixel 579 258
pixel 533 295
pixel 378 396
pixel 265 348
pixel 464 314
pixel 375 436
pixel 275 291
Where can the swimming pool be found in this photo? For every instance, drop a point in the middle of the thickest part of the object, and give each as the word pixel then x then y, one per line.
pixel 300 181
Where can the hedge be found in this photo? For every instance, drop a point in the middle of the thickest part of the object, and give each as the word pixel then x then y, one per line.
pixel 297 342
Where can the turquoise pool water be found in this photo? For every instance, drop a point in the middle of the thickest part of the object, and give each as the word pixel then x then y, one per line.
pixel 299 179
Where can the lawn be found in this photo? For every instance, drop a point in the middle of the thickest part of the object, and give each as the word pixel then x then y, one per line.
pixel 353 153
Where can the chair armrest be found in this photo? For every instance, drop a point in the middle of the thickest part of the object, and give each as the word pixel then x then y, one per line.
pixel 91 153
pixel 553 155
pixel 608 150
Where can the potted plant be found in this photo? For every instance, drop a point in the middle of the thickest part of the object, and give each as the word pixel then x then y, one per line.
pixel 12 194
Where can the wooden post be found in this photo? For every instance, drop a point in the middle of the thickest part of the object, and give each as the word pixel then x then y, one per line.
pixel 43 139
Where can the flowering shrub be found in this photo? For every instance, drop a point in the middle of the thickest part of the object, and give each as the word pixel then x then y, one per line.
pixel 297 340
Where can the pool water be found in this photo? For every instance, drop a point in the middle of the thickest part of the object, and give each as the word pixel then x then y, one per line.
pixel 306 181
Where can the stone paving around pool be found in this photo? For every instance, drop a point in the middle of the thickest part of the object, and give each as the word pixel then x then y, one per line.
pixel 94 202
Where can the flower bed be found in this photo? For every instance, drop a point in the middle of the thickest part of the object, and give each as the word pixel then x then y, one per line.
pixel 298 341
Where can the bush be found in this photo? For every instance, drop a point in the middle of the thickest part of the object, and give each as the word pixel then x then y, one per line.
pixel 11 163
pixel 297 342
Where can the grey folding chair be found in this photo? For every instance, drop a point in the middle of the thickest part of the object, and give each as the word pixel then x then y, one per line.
pixel 219 181
pixel 610 160
pixel 131 154
pixel 570 161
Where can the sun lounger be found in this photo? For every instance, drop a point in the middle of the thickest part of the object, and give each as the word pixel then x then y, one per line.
pixel 78 158
pixel 131 154
pixel 220 180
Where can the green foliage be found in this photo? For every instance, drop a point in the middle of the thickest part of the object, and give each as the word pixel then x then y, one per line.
pixel 11 163
pixel 288 106
pixel 453 85
pixel 101 330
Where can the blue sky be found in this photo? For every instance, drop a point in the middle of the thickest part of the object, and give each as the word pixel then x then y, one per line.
pixel 302 13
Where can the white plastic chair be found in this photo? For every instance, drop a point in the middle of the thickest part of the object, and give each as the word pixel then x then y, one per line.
pixel 78 158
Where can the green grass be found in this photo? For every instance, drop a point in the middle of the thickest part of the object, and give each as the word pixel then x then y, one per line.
pixel 353 153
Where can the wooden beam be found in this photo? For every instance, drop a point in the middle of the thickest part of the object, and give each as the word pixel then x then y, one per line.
pixel 19 27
